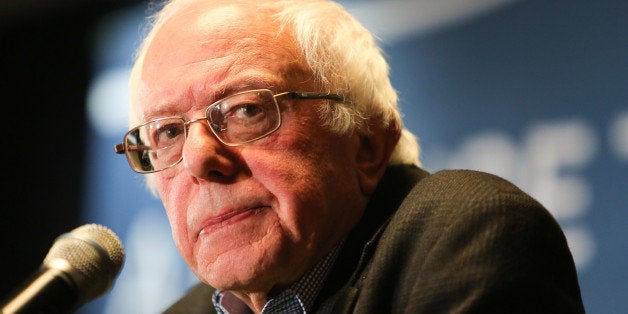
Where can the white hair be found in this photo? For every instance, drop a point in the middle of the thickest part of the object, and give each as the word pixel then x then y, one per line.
pixel 344 58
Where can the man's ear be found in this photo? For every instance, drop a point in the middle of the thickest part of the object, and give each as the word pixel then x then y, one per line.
pixel 374 153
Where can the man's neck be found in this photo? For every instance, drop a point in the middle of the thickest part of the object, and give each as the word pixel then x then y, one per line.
pixel 304 290
pixel 254 300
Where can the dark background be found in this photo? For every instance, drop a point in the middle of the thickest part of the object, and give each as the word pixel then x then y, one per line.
pixel 45 71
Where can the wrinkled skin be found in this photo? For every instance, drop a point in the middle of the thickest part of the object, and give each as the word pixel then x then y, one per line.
pixel 253 218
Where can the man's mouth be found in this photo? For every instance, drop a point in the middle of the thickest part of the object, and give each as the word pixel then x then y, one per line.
pixel 217 222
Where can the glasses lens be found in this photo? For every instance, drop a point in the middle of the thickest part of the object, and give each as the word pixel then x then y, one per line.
pixel 244 117
pixel 155 145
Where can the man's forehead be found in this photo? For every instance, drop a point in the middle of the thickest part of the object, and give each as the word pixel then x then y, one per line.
pixel 207 30
pixel 218 16
pixel 208 25
pixel 207 45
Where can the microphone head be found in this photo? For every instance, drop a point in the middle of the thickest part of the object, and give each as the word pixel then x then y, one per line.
pixel 91 256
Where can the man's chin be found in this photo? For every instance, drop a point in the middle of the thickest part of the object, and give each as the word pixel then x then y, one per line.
pixel 240 269
pixel 238 278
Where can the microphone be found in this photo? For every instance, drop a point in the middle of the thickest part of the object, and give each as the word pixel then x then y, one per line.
pixel 80 266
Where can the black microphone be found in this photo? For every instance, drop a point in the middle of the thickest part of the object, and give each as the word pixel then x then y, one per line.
pixel 80 266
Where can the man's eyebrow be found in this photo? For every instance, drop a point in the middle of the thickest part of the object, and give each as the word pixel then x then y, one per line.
pixel 244 84
pixel 209 96
pixel 158 110
pixel 240 85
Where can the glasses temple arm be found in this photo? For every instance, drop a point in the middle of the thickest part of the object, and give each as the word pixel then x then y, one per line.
pixel 121 149
pixel 306 95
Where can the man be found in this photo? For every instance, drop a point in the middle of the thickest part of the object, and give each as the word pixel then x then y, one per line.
pixel 270 131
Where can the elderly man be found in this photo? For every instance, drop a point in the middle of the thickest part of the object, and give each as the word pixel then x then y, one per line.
pixel 270 131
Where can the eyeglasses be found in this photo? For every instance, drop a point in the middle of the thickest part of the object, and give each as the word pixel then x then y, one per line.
pixel 235 120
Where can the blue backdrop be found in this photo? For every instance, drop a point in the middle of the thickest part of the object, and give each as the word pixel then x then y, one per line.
pixel 534 91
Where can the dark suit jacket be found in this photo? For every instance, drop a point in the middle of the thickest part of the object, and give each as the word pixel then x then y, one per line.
pixel 455 241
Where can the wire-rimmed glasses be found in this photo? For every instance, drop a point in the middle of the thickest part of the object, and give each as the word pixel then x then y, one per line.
pixel 235 120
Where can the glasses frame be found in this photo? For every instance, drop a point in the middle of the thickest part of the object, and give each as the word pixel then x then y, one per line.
pixel 123 148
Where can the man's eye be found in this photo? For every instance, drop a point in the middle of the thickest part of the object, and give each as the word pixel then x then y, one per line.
pixel 247 111
pixel 166 134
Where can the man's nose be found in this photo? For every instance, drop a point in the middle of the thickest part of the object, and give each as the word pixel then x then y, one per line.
pixel 204 156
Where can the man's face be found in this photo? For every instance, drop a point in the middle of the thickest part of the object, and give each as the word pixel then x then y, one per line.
pixel 256 216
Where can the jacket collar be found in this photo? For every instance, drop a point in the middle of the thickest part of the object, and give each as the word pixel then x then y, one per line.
pixel 340 291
